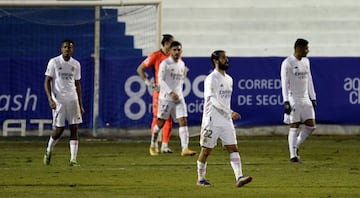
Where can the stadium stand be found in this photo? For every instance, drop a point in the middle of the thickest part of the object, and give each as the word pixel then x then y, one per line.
pixel 264 28
pixel 51 25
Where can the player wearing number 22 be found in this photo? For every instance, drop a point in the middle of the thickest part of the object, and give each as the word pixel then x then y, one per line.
pixel 217 120
pixel 299 97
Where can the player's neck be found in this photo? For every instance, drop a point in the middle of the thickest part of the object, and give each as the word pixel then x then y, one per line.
pixel 175 59
pixel 164 51
pixel 297 56
pixel 66 58
pixel 221 71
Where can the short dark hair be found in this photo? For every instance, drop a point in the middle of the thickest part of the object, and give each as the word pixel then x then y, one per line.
pixel 300 43
pixel 166 38
pixel 68 41
pixel 215 56
pixel 175 43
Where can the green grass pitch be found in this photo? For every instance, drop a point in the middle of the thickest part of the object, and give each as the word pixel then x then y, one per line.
pixel 123 168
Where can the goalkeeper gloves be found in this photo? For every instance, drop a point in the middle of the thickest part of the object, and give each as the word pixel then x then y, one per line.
pixel 314 104
pixel 287 107
pixel 152 85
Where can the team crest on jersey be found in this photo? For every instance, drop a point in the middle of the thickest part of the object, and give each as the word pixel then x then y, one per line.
pixel 72 68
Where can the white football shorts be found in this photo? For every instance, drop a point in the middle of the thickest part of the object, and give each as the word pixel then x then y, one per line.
pixel 66 111
pixel 210 135
pixel 301 110
pixel 175 109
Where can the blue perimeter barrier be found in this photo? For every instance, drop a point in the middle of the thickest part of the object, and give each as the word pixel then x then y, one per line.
pixel 125 101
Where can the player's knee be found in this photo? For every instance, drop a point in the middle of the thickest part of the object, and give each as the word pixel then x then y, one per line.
pixel 57 132
pixel 182 121
pixel 206 151
pixel 310 128
pixel 232 148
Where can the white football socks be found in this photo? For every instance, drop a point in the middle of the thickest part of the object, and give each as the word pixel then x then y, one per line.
pixel 235 162
pixel 51 144
pixel 292 139
pixel 305 132
pixel 154 136
pixel 184 136
pixel 201 169
pixel 74 145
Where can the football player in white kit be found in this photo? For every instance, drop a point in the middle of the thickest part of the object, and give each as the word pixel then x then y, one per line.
pixel 63 90
pixel 299 97
pixel 171 77
pixel 217 120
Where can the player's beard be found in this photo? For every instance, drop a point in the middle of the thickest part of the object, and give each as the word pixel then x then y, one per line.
pixel 224 66
pixel 176 57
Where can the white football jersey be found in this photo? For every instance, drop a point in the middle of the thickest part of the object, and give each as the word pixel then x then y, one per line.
pixel 217 99
pixel 171 78
pixel 64 74
pixel 296 79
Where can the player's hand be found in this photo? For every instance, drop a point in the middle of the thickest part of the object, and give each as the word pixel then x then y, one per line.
pixel 174 96
pixel 82 111
pixel 314 103
pixel 287 107
pixel 154 87
pixel 235 115
pixel 52 104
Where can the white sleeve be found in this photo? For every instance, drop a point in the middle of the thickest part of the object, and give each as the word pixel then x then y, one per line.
pixel 78 71
pixel 220 106
pixel 162 75
pixel 311 89
pixel 50 69
pixel 284 81
pixel 212 87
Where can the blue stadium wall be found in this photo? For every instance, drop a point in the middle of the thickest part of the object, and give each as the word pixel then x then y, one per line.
pixel 126 102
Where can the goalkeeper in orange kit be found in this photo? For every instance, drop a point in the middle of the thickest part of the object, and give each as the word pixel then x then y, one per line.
pixel 153 61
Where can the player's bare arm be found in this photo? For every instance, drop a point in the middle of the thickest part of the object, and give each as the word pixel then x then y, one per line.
pixel 47 87
pixel 141 71
pixel 186 70
pixel 79 93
